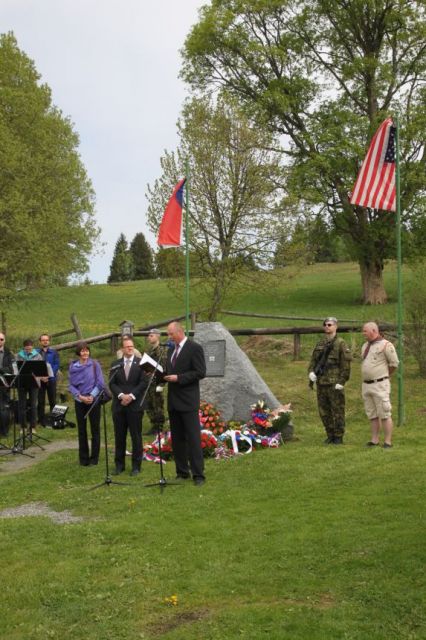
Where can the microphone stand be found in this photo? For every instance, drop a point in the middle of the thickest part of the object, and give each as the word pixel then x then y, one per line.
pixel 162 482
pixel 107 480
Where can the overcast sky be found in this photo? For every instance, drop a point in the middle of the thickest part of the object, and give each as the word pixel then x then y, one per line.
pixel 112 66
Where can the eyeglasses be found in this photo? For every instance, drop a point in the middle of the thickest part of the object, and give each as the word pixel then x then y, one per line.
pixel 328 324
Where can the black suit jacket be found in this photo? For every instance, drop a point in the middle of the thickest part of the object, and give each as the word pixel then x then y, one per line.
pixel 190 367
pixel 136 383
pixel 7 361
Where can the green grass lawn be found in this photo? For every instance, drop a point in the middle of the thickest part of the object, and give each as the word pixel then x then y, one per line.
pixel 302 542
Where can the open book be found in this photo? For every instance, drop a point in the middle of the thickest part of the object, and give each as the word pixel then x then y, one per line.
pixel 150 365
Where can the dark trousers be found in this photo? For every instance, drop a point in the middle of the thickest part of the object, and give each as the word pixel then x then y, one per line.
pixel 4 412
pixel 186 442
pixel 48 387
pixel 94 416
pixel 23 396
pixel 125 421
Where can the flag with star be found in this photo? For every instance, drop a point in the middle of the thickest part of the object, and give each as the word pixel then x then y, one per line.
pixel 375 185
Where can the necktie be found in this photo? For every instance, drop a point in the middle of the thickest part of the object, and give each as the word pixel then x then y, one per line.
pixel 175 355
pixel 127 368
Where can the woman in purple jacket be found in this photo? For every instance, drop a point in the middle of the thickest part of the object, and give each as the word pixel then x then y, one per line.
pixel 85 383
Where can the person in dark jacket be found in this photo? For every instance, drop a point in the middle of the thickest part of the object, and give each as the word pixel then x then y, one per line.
pixel 185 368
pixel 86 381
pixel 6 360
pixel 128 382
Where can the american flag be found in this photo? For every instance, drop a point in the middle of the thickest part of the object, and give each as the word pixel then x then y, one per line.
pixel 375 185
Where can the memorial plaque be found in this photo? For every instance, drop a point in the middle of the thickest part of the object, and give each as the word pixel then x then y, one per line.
pixel 214 354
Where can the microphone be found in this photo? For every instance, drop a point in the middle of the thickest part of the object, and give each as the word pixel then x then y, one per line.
pixel 116 366
pixel 168 344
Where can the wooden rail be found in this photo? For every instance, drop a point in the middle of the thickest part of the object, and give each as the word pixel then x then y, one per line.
pixel 296 332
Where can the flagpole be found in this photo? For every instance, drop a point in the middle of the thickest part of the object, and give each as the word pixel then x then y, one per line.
pixel 187 249
pixel 400 372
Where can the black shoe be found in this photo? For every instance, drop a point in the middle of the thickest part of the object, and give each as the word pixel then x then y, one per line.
pixel 387 445
pixel 329 440
pixel 135 472
pixel 337 440
pixel 181 477
pixel 93 463
pixel 117 471
pixel 372 444
pixel 199 481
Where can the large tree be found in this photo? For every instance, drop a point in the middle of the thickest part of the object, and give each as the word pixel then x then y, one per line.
pixel 232 208
pixel 47 225
pixel 143 265
pixel 121 267
pixel 323 74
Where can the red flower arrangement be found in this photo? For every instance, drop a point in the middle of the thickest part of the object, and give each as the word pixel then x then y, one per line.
pixel 166 446
pixel 211 419
pixel 208 443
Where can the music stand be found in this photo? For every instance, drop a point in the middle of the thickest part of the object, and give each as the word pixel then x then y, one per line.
pixel 27 376
pixel 148 364
pixel 15 449
pixel 108 480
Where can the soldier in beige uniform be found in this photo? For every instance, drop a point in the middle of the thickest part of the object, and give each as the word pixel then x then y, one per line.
pixel 379 361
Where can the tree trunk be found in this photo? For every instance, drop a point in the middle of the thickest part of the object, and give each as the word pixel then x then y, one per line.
pixel 373 288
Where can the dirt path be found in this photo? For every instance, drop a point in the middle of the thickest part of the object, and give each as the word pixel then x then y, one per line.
pixel 16 462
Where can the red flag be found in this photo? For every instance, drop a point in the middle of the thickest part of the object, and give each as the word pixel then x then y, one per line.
pixel 375 185
pixel 169 233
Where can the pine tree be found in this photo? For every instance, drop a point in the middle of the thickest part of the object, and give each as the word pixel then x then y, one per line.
pixel 121 269
pixel 143 265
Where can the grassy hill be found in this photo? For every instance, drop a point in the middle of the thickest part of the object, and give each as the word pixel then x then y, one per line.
pixel 304 542
pixel 317 290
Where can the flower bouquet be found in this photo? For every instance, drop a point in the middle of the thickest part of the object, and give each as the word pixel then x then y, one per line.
pixel 211 419
pixel 208 443
pixel 260 418
pixel 281 422
pixel 152 450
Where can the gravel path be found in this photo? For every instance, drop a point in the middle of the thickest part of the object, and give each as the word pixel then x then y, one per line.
pixel 14 463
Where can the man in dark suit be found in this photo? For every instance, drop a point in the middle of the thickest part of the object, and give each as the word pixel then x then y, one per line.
pixel 6 361
pixel 128 382
pixel 185 367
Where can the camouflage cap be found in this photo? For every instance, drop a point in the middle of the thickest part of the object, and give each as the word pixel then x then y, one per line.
pixel 331 319
pixel 156 331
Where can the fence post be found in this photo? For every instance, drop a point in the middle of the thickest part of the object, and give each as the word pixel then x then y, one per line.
pixel 193 319
pixel 76 326
pixel 296 346
pixel 113 344
pixel 3 322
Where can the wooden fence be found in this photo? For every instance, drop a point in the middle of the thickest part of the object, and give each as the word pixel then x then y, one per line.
pixel 297 332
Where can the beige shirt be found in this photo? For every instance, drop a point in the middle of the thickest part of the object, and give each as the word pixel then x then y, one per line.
pixel 380 357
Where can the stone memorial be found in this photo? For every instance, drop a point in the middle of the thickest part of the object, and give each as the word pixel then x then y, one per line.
pixel 240 386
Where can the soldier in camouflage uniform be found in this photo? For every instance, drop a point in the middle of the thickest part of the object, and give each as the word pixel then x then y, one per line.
pixel 330 368
pixel 155 399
